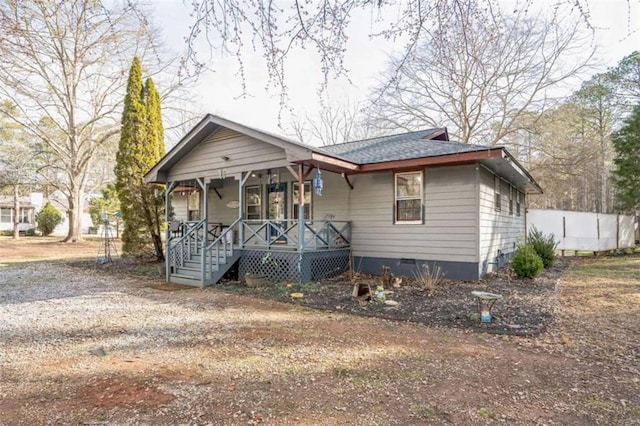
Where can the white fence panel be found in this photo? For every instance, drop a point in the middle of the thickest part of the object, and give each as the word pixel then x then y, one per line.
pixel 585 231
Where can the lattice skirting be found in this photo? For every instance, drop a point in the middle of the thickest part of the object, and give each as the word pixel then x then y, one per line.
pixel 290 266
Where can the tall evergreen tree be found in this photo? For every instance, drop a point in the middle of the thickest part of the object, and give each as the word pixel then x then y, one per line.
pixel 141 146
pixel 155 150
pixel 626 175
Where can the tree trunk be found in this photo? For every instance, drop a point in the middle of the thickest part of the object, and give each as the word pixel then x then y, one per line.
pixel 157 245
pixel 74 233
pixel 16 213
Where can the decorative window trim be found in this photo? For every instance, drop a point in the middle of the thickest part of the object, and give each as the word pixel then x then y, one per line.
pixel 294 198
pixel 518 203
pixel 396 198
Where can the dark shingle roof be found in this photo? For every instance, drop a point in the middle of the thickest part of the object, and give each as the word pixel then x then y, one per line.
pixel 404 146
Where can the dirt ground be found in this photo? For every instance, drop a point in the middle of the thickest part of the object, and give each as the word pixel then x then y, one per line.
pixel 83 346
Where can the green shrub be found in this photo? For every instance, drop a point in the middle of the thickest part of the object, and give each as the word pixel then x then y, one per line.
pixel 526 262
pixel 47 219
pixel 545 246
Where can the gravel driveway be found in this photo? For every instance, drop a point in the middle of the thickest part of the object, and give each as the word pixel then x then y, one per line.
pixel 82 347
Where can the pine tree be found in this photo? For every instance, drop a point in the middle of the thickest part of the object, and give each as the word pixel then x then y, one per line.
pixel 626 175
pixel 141 146
pixel 155 150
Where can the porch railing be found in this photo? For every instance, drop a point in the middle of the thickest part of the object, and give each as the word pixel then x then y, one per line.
pixel 182 248
pixel 217 252
pixel 283 234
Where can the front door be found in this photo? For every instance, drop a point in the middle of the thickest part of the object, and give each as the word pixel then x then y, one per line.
pixel 277 209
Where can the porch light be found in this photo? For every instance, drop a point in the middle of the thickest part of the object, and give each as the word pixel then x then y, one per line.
pixel 317 182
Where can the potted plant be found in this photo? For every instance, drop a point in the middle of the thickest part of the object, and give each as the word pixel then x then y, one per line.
pixel 254 280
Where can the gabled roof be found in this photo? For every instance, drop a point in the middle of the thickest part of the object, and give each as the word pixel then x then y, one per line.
pixel 209 124
pixel 429 147
pixel 405 146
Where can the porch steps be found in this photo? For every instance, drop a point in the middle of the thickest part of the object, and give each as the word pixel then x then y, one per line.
pixel 190 273
pixel 185 280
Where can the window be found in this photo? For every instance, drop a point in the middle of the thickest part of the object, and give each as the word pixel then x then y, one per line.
pixel 408 197
pixel 496 190
pixel 307 199
pixel 6 215
pixel 252 203
pixel 511 189
pixel 25 215
pixel 193 206
pixel 518 195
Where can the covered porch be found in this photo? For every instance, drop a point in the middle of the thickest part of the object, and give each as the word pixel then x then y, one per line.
pixel 240 196
pixel 249 224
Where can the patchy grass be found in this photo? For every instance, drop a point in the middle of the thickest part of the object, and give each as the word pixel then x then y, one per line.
pixel 611 267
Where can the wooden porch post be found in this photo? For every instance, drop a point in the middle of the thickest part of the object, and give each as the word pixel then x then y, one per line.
pixel 301 201
pixel 167 204
pixel 243 179
pixel 204 185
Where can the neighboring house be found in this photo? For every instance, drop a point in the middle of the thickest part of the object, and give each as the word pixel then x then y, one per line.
pixel 29 206
pixel 400 201
pixel 59 200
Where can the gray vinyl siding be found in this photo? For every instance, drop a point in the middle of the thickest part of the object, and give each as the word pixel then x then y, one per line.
pixel 244 153
pixel 449 232
pixel 334 201
pixel 179 204
pixel 499 230
pixel 218 210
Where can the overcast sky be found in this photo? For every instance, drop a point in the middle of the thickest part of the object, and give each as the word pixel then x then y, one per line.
pixel 218 92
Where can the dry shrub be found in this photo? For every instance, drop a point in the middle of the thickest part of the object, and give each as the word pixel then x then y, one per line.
pixel 428 279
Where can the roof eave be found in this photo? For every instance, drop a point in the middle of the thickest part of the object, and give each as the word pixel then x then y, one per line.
pixel 439 160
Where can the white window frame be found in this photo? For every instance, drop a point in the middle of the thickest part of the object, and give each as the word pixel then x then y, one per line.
pixel 25 215
pixel 396 198
pixel 3 210
pixel 194 215
pixel 248 204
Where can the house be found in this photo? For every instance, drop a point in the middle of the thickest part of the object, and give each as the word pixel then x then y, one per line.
pixel 235 194
pixel 28 206
pixel 60 202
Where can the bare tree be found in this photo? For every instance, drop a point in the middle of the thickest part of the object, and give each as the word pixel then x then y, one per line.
pixel 336 122
pixel 598 114
pixel 275 29
pixel 63 64
pixel 480 72
pixel 17 165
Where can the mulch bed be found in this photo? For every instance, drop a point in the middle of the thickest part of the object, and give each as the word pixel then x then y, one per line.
pixel 526 308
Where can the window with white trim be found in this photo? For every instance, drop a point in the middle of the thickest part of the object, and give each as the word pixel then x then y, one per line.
pixel 25 215
pixel 6 215
pixel 252 197
pixel 518 195
pixel 497 196
pixel 193 206
pixel 408 197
